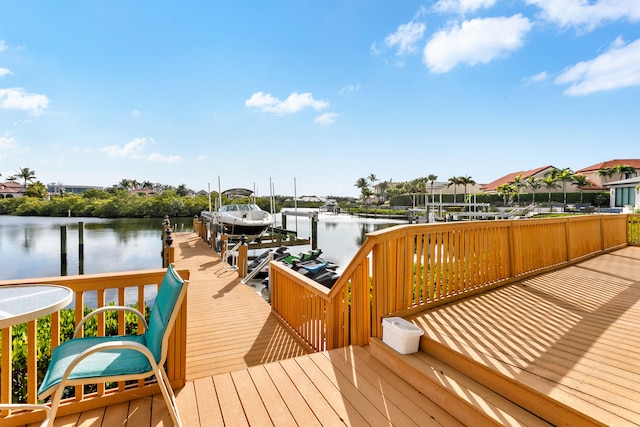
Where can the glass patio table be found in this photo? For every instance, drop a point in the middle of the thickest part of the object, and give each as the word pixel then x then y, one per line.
pixel 23 303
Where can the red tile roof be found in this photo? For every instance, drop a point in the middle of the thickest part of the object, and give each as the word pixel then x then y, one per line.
pixel 610 164
pixel 493 186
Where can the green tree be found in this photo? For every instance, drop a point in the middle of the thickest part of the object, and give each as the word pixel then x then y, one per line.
pixel 432 178
pixel 625 171
pixel 518 183
pixel 466 181
pixel 365 192
pixel 25 174
pixel 455 181
pixel 582 182
pixel 565 176
pixel 550 183
pixel 506 191
pixel 533 183
pixel 36 189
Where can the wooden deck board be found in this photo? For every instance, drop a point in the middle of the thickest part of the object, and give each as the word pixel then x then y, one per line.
pixel 571 334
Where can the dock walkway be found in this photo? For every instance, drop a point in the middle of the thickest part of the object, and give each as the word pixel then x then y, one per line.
pixel 229 326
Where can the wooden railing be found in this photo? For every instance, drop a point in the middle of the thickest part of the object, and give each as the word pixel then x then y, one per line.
pixel 95 286
pixel 409 268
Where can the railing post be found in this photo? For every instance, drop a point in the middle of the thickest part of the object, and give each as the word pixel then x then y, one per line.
pixel 224 243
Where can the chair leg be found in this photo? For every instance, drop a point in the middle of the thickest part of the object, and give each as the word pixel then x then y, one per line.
pixel 169 396
pixel 55 403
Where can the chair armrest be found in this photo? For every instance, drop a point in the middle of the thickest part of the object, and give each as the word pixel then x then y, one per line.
pixel 109 308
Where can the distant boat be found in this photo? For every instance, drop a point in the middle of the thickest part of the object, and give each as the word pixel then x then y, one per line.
pixel 238 219
pixel 330 206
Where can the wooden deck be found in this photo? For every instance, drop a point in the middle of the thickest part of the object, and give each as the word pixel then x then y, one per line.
pixel 571 335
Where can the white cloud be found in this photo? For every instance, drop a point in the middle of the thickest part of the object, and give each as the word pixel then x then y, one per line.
pixel 475 41
pixel 588 14
pixel 537 78
pixel 7 144
pixel 3 46
pixel 295 102
pixel 202 157
pixel 462 6
pixel 16 98
pixel 135 149
pixel 405 37
pixel 4 72
pixel 161 158
pixel 349 88
pixel 132 148
pixel 135 113
pixel 616 68
pixel 7 141
pixel 326 118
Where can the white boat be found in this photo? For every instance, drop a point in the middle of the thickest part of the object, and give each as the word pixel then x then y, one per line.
pixel 238 219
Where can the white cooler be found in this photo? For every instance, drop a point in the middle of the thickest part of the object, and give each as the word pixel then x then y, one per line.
pixel 401 335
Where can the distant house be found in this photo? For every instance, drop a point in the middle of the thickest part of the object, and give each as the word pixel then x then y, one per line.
pixel 56 189
pixel 625 193
pixel 594 172
pixel 11 189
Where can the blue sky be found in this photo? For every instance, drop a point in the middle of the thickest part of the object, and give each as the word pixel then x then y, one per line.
pixel 322 93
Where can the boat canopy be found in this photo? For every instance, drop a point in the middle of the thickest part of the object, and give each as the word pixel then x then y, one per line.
pixel 237 192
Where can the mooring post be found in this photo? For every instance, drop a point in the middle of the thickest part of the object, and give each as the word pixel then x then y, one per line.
pixel 81 247
pixel 168 252
pixel 63 250
pixel 314 231
pixel 243 256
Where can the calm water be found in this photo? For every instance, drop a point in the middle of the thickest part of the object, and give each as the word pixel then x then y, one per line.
pixel 30 246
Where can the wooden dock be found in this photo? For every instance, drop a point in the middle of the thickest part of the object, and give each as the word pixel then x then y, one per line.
pixel 566 340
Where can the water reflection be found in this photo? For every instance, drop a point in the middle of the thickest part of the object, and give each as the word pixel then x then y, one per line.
pixel 30 246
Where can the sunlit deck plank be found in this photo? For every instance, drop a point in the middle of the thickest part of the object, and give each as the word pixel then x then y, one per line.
pixel 568 334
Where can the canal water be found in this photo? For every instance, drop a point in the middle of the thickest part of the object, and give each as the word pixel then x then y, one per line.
pixel 30 247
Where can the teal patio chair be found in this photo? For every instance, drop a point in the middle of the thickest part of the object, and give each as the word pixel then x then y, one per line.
pixel 90 360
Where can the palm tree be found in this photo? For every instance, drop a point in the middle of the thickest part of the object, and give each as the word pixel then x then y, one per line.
pixel 372 179
pixel 625 171
pixel 565 175
pixel 454 180
pixel 518 183
pixel 432 178
pixel 506 190
pixel 606 172
pixel 533 183
pixel 581 181
pixel 466 180
pixel 420 185
pixel 550 183
pixel 363 185
pixel 126 184
pixel 26 174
